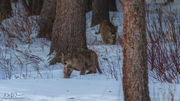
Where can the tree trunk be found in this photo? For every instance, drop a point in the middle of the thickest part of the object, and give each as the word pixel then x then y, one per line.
pixel 88 5
pixel 135 70
pixel 100 11
pixel 33 7
pixel 69 29
pixel 47 17
pixel 5 9
pixel 112 5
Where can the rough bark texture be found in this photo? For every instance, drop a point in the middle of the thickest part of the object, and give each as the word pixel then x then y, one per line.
pixel 100 11
pixel 135 70
pixel 69 29
pixel 88 5
pixel 47 17
pixel 5 9
pixel 112 5
pixel 33 7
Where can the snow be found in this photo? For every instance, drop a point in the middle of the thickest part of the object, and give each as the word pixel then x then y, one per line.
pixel 29 77
pixel 164 91
pixel 96 89
pixel 61 90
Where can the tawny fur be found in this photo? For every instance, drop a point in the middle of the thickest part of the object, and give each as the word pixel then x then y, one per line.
pixel 56 59
pixel 108 32
pixel 81 61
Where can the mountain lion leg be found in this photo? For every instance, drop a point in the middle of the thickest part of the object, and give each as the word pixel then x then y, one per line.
pixel 83 71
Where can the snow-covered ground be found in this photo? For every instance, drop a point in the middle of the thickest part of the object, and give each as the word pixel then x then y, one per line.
pixel 60 90
pixel 25 73
pixel 78 90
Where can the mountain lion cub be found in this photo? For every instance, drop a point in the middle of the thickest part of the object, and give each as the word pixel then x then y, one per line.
pixel 108 32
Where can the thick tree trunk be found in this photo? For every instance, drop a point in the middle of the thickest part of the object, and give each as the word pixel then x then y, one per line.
pixel 5 9
pixel 112 5
pixel 69 30
pixel 135 70
pixel 88 5
pixel 33 7
pixel 47 17
pixel 100 11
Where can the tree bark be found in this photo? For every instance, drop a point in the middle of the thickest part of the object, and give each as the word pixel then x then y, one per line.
pixel 112 5
pixel 100 11
pixel 47 17
pixel 5 9
pixel 88 5
pixel 33 7
pixel 69 29
pixel 135 70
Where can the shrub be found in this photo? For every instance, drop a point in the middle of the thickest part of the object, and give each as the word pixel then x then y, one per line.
pixel 164 45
